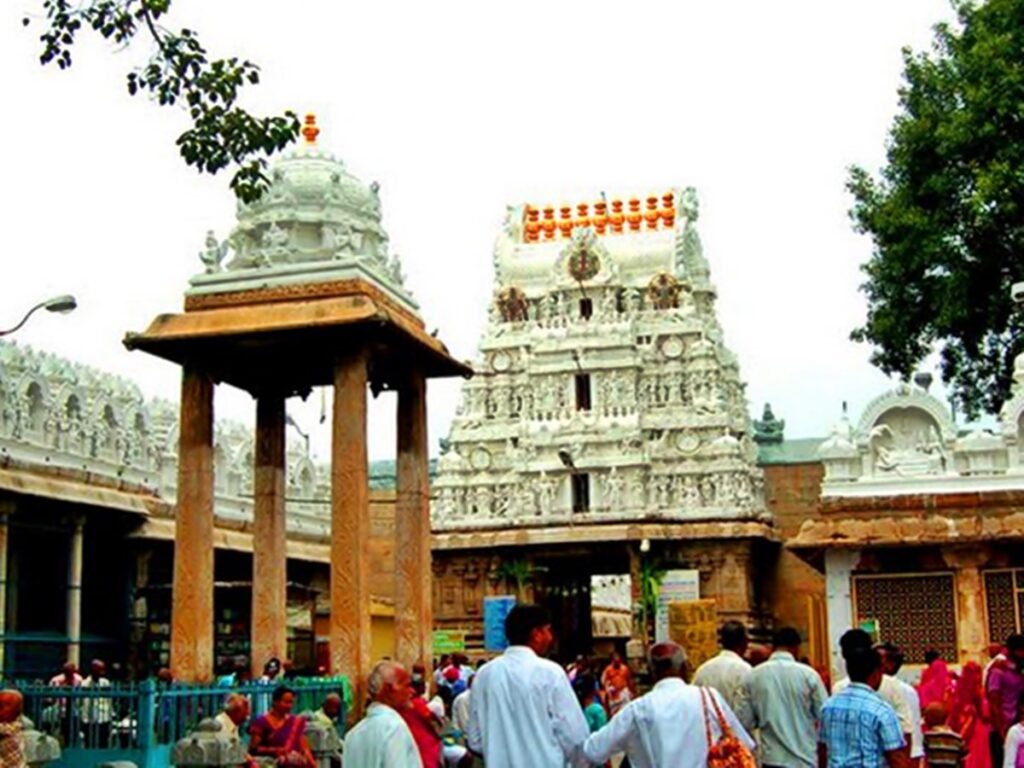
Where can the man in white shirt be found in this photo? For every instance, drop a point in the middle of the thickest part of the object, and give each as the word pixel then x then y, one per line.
pixel 382 739
pixel 460 709
pixel 729 673
pixel 97 713
pixel 666 726
pixel 236 712
pixel 892 661
pixel 889 690
pixel 523 712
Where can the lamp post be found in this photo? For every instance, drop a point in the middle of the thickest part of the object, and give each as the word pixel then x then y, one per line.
pixel 62 304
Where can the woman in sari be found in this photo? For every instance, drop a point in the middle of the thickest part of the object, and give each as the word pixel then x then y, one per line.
pixel 280 734
pixel 936 683
pixel 969 717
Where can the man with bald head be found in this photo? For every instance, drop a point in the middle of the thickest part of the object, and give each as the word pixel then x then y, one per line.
pixel 382 739
pixel 12 750
pixel 665 726
pixel 236 712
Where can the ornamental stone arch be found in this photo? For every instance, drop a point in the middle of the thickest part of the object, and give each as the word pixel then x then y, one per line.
pixel 34 396
pixel 907 399
pixel 302 477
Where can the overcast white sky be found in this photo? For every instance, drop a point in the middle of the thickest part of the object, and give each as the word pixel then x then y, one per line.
pixel 458 108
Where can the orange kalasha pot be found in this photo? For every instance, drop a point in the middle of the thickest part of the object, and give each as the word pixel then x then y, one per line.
pixel 549 229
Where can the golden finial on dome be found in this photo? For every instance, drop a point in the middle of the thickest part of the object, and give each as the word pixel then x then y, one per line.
pixel 309 130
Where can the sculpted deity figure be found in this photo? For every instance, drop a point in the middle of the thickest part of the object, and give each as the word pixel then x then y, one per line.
pixel 707 491
pixel 724 487
pixel 213 253
pixel 546 488
pixel 691 493
pixel 394 267
pixel 634 302
pixel 500 397
pixel 275 239
pixel 607 388
pixel 482 501
pixel 613 487
pixel 446 505
pixel 744 498
pixel 638 489
pixel 673 384
pixel 610 304
pixel 338 238
pixel 543 311
pixel 622 384
pixel 527 502
pixel 662 491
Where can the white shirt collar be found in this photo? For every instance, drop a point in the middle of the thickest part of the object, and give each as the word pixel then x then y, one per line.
pixel 520 650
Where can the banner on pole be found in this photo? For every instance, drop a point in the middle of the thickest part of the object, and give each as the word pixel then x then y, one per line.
pixel 495 611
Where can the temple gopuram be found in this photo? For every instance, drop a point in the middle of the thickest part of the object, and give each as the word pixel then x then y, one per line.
pixel 605 430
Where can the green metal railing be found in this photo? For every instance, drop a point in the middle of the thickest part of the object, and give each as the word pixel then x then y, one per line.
pixel 142 721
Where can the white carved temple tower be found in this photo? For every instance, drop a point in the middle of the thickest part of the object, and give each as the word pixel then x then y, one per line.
pixel 605 406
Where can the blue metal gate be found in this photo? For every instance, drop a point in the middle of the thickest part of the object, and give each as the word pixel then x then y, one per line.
pixel 142 721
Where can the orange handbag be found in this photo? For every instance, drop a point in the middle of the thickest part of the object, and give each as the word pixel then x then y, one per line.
pixel 728 751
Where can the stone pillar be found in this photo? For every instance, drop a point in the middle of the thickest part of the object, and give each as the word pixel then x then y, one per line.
pixel 269 558
pixel 350 530
pixel 413 615
pixel 839 565
pixel 74 616
pixel 192 598
pixel 970 601
pixel 6 508
pixel 637 645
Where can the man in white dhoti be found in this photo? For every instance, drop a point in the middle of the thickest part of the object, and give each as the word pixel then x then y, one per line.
pixel 523 712
pixel 382 739
pixel 665 727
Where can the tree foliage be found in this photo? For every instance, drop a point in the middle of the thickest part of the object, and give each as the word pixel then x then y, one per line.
pixel 946 213
pixel 180 71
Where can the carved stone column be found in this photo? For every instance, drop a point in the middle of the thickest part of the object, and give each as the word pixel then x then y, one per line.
pixel 413 615
pixel 74 614
pixel 637 645
pixel 192 599
pixel 970 601
pixel 839 565
pixel 269 559
pixel 350 530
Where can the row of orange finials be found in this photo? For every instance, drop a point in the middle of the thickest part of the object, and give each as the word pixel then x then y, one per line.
pixel 616 221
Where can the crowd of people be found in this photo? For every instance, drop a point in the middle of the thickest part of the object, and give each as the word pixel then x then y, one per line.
pixel 747 706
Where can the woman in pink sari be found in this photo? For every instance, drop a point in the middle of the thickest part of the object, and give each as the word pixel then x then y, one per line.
pixel 280 734
pixel 969 717
pixel 936 683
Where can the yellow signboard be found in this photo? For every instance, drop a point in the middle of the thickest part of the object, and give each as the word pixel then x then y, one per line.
pixel 694 625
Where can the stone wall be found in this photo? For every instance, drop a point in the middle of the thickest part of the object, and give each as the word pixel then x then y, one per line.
pixel 792 494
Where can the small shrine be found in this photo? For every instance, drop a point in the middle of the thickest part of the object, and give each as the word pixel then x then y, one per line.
pixel 303 293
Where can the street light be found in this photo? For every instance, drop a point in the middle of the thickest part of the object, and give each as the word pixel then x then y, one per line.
pixel 62 304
